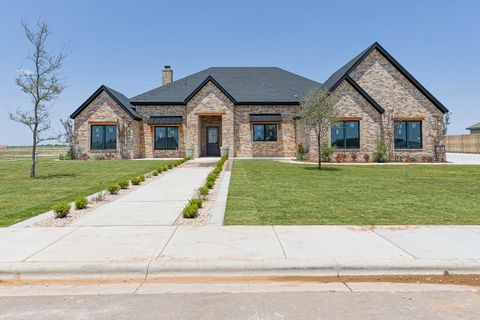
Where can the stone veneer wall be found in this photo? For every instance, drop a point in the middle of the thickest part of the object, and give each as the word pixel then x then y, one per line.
pixel 209 101
pixel 103 109
pixel 400 99
pixel 147 135
pixel 285 145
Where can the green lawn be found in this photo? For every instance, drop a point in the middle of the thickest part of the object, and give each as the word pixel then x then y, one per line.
pixel 264 192
pixel 22 197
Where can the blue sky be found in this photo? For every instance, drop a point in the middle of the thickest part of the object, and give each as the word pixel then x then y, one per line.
pixel 124 44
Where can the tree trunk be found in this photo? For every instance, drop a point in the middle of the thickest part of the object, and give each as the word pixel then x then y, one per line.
pixel 34 150
pixel 319 153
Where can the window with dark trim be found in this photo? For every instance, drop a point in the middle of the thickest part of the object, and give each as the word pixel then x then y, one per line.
pixel 408 135
pixel 264 132
pixel 346 134
pixel 166 138
pixel 103 137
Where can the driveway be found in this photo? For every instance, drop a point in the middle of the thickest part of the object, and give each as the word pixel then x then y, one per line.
pixel 463 158
pixel 158 203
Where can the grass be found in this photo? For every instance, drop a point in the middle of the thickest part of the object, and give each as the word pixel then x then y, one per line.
pixel 264 192
pixel 22 197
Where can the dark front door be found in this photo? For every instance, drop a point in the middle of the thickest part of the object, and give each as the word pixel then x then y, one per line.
pixel 213 141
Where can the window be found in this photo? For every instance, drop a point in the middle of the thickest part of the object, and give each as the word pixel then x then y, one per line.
pixel 346 135
pixel 166 138
pixel 103 137
pixel 408 135
pixel 264 132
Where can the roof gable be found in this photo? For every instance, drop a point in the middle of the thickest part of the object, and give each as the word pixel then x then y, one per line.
pixel 119 98
pixel 474 127
pixel 335 79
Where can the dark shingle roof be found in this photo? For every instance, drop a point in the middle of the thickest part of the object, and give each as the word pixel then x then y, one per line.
pixel 474 127
pixel 115 95
pixel 243 84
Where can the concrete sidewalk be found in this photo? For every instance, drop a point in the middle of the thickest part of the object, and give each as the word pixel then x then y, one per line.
pixel 160 202
pixel 141 251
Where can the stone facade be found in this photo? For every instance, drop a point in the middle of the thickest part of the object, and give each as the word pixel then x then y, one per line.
pixel 211 107
pixel 401 101
pixel 104 110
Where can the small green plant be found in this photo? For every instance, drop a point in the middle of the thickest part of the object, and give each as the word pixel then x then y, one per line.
pixel 326 152
pixel 136 181
pixel 212 176
pixel 204 190
pixel 197 201
pixel 142 178
pixel 169 166
pixel 381 151
pixel 209 184
pixel 301 151
pixel 81 203
pixel 155 173
pixel 123 184
pixel 113 188
pixel 190 211
pixel 61 209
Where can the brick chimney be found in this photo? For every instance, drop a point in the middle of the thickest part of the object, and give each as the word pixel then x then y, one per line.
pixel 167 75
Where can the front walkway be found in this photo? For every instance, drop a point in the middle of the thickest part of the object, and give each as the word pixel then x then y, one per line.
pixel 160 202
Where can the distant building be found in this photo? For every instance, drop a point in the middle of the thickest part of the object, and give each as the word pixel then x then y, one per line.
pixel 2 146
pixel 474 129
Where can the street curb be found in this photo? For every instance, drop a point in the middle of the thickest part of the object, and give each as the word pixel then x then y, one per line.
pixel 146 269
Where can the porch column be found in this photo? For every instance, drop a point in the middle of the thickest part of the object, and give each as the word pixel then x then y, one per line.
pixel 228 132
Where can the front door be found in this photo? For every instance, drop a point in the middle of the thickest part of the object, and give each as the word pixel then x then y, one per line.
pixel 213 143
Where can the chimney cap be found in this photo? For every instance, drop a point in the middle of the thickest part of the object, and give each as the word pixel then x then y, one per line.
pixel 166 67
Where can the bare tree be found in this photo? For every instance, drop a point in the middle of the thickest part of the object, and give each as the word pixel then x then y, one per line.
pixel 42 84
pixel 318 112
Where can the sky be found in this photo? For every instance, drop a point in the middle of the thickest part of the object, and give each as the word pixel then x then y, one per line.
pixel 125 44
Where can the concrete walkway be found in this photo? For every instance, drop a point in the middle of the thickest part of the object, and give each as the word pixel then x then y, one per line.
pixel 156 250
pixel 160 202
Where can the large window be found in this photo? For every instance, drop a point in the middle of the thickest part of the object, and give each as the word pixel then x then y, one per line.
pixel 264 132
pixel 346 135
pixel 103 137
pixel 408 135
pixel 166 138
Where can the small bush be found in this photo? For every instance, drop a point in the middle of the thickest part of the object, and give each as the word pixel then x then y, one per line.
pixel 366 157
pixel 113 188
pixel 381 151
pixel 190 211
pixel 61 209
pixel 353 156
pixel 142 178
pixel 209 184
pixel 301 151
pixel 197 201
pixel 203 191
pixel 155 173
pixel 123 184
pixel 136 181
pixel 169 166
pixel 326 152
pixel 81 203
pixel 212 176
pixel 61 157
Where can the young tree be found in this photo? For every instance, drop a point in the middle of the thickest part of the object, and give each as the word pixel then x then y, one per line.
pixel 318 112
pixel 42 84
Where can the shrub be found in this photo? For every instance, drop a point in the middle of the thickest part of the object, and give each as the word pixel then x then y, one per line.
pixel 366 157
pixel 340 157
pixel 136 181
pixel 142 178
pixel 197 201
pixel 113 188
pixel 353 156
pixel 326 152
pixel 155 173
pixel 61 157
pixel 169 166
pixel 209 184
pixel 81 203
pixel 212 176
pixel 99 157
pixel 185 159
pixel 301 152
pixel 204 190
pixel 190 211
pixel 381 151
pixel 123 184
pixel 61 209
